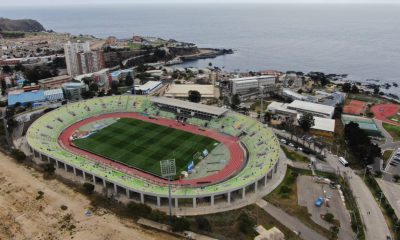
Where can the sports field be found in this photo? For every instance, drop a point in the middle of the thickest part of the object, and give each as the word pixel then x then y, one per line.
pixel 142 145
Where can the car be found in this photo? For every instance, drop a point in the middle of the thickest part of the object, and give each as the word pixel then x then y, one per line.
pixel 306 151
pixel 300 149
pixel 319 202
pixel 283 141
pixel 291 144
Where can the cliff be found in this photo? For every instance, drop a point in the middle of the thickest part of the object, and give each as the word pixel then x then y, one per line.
pixel 20 25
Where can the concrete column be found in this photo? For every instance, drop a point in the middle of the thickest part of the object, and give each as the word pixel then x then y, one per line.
pixel 158 202
pixel 229 197
pixel 57 164
pixel 194 202
pixel 256 186
pixel 74 170
pixel 265 180
pixel 176 203
pixel 115 188
pixel 84 175
pixel 104 183
pixel 243 192
pixel 65 167
pixel 128 193
pixel 94 179
pixel 212 200
pixel 141 197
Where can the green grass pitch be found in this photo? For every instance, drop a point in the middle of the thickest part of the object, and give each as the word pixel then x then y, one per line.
pixel 143 145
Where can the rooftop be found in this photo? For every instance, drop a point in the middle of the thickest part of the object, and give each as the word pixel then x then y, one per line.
pixel 252 78
pixel 181 90
pixel 315 107
pixel 189 105
pixel 25 97
pixel 58 78
pixel 148 86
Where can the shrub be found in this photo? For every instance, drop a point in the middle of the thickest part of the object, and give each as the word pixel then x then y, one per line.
pixel 203 224
pixel 329 217
pixel 63 207
pixel 245 223
pixel 18 155
pixel 138 209
pixel 88 188
pixel 180 224
pixel 285 189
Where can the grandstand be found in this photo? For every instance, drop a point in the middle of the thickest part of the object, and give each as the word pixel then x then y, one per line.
pixel 253 149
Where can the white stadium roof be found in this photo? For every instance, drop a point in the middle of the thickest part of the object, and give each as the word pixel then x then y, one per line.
pixel 189 105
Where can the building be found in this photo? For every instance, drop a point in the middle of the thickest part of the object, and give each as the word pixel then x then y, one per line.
pixel 148 87
pixel 182 90
pixel 71 51
pixel 185 109
pixel 73 90
pixel 322 126
pixel 54 82
pixel 252 85
pixel 280 110
pixel 89 62
pixel 24 98
pixel 54 95
pixel 317 110
pixel 121 75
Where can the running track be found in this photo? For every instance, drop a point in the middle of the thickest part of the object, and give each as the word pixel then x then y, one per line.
pixel 232 143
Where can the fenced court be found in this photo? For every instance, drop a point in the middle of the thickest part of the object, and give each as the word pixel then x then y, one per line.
pixel 383 112
pixel 355 107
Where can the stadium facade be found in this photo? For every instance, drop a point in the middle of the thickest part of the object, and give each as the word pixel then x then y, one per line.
pixel 259 151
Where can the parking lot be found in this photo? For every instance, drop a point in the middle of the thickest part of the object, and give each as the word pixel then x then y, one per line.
pixel 393 166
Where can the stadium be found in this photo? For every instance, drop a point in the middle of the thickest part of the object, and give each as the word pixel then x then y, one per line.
pixel 117 142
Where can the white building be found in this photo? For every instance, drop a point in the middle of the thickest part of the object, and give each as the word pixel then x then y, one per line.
pixel 248 85
pixel 71 58
pixel 317 110
pixel 148 87
pixel 182 90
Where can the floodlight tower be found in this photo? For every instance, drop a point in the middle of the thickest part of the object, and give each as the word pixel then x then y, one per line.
pixel 168 170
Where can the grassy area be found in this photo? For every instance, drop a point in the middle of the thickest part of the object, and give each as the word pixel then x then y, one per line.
pixel 135 46
pixel 395 118
pixel 386 155
pixel 393 130
pixel 257 106
pixel 285 197
pixel 295 156
pixel 225 225
pixel 366 98
pixel 142 144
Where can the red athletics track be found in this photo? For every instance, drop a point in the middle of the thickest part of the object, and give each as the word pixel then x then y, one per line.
pixel 383 111
pixel 234 165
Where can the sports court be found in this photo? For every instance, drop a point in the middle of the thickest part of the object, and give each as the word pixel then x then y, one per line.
pixel 142 144
pixel 355 107
pixel 386 111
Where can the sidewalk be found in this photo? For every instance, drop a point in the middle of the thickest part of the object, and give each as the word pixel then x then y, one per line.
pixel 290 222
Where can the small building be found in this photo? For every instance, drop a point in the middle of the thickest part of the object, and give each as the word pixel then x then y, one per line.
pixel 281 111
pixel 182 90
pixel 147 88
pixel 252 85
pixel 25 97
pixel 322 126
pixel 317 110
pixel 73 90
pixel 120 75
pixel 54 82
pixel 272 234
pixel 53 95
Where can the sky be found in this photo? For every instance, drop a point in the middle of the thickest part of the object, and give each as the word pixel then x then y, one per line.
pixel 104 2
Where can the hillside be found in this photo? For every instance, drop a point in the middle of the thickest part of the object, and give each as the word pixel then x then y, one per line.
pixel 21 25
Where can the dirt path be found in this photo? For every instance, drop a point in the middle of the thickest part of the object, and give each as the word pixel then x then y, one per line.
pixel 26 215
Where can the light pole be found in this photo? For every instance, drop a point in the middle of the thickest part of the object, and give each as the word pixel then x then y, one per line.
pixel 262 103
pixel 168 170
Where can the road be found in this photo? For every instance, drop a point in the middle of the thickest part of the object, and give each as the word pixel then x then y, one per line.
pixel 290 222
pixel 372 217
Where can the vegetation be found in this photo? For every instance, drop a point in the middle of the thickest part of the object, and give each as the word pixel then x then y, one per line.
pixel 235 101
pixel 306 121
pixel 18 155
pixel 295 156
pixel 386 155
pixel 88 188
pixel 285 197
pixel 385 206
pixel 393 130
pixel 194 96
pixel 360 144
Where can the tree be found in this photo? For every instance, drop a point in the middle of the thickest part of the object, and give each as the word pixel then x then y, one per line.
pixel 346 87
pixel 194 96
pixel 19 67
pixel 354 89
pixel 7 69
pixel 245 223
pixel 180 224
pixel 93 87
pixel 329 217
pixel 396 177
pixel 376 90
pixel 306 121
pixel 235 101
pixel 128 80
pixel 203 224
pixel 18 155
pixel 88 188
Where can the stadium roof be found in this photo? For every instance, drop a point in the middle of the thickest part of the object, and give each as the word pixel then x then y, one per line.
pixel 26 97
pixel 189 105
pixel 148 86
pixel 314 107
pixel 182 90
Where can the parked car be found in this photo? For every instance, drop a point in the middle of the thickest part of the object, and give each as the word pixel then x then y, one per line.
pixel 291 144
pixel 283 141
pixel 306 151
pixel 300 149
pixel 319 202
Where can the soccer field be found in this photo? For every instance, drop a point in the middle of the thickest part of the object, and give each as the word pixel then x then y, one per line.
pixel 142 145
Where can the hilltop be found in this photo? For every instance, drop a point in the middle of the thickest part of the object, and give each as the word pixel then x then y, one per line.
pixel 21 25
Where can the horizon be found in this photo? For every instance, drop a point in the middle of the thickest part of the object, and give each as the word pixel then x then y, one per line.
pixel 49 3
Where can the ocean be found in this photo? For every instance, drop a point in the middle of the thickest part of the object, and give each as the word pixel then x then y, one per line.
pixel 360 40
